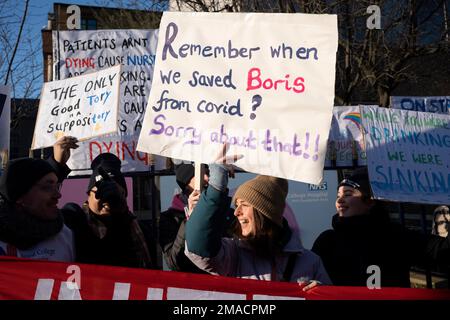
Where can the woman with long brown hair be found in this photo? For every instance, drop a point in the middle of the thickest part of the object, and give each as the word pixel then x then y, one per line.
pixel 263 246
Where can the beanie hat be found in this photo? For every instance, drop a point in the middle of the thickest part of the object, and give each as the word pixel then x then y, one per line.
pixel 111 164
pixel 441 210
pixel 184 174
pixel 358 179
pixel 20 175
pixel 267 195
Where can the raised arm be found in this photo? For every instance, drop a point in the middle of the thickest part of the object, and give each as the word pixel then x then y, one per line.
pixel 204 243
pixel 61 153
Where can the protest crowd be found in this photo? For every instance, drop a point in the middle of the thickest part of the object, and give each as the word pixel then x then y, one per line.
pixel 201 233
pixel 245 97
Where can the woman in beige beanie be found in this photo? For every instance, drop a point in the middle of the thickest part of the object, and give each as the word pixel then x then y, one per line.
pixel 259 210
pixel 263 246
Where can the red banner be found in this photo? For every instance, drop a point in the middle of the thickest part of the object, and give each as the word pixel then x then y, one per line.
pixel 25 279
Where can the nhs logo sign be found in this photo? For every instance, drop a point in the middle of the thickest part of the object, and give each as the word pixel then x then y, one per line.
pixel 322 187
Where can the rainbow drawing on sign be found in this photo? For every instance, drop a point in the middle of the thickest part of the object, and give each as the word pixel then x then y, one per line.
pixel 354 117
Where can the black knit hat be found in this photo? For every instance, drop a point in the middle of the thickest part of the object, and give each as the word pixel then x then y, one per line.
pixel 111 164
pixel 358 179
pixel 20 175
pixel 185 172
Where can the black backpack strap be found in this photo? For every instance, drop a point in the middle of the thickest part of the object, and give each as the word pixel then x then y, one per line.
pixel 287 274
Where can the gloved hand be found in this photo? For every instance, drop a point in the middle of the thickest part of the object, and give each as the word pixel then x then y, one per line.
pixel 108 192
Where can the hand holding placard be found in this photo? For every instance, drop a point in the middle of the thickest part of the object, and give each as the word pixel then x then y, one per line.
pixel 61 148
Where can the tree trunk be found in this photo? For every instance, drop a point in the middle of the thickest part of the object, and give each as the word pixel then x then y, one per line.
pixel 383 97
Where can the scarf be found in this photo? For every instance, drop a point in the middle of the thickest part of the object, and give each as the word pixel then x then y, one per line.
pixel 24 230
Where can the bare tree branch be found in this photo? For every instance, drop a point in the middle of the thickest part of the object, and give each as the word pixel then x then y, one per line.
pixel 17 41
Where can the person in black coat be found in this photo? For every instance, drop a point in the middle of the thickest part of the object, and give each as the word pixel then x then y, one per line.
pixel 173 220
pixel 106 231
pixel 363 236
pixel 31 225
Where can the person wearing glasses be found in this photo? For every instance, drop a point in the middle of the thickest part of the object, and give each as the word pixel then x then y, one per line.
pixel 441 221
pixel 31 225
pixel 106 231
pixel 363 239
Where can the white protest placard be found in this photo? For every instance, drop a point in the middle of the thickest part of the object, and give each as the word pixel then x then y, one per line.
pixel 5 118
pixel 84 107
pixel 345 141
pixel 264 83
pixel 78 52
pixel 408 154
pixel 435 104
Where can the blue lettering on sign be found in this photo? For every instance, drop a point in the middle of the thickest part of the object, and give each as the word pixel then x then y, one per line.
pixel 322 187
pixel 395 136
pixel 412 181
pixel 423 104
pixel 144 60
pixel 98 98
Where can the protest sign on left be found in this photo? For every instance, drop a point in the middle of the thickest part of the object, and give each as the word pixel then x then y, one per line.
pixel 82 51
pixel 83 107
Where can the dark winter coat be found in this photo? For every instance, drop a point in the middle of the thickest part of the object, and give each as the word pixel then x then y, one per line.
pixel 24 230
pixel 107 240
pixel 171 239
pixel 357 242
pixel 172 236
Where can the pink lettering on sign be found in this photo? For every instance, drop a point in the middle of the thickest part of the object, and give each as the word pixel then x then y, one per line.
pixel 255 81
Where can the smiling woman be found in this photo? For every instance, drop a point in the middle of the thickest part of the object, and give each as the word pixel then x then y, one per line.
pixel 246 216
pixel 263 246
